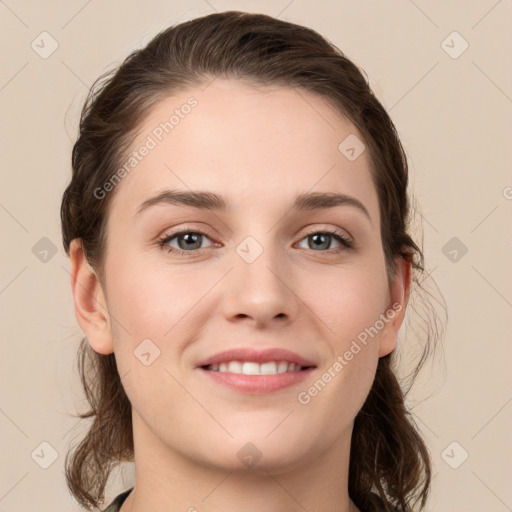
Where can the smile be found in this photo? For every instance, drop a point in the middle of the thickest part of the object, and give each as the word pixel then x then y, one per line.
pixel 254 368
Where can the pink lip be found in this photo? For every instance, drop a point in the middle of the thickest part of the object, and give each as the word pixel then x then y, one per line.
pixel 258 384
pixel 258 356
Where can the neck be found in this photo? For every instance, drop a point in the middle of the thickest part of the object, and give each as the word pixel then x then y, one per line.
pixel 166 481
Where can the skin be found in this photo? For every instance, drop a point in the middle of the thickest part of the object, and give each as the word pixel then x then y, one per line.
pixel 259 147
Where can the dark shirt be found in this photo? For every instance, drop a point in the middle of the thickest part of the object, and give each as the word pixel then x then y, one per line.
pixel 116 504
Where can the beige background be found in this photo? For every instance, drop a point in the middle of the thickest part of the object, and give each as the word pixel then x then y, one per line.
pixel 454 118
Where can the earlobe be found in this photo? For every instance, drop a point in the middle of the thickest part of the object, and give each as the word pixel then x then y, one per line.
pixel 395 313
pixel 89 299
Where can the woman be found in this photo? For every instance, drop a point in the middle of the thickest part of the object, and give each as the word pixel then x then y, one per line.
pixel 237 226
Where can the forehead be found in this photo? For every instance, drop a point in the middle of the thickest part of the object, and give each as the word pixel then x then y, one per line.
pixel 246 143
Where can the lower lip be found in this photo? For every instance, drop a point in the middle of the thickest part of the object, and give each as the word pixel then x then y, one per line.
pixel 258 384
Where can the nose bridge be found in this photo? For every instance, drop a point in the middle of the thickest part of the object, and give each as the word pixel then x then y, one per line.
pixel 259 280
pixel 258 262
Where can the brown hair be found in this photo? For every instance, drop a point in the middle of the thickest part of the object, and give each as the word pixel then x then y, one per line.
pixel 388 454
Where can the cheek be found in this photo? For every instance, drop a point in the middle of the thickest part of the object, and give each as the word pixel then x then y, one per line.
pixel 150 300
pixel 347 300
pixel 165 306
pixel 154 312
pixel 349 307
pixel 348 304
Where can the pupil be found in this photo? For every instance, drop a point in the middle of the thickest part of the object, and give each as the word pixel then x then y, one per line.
pixel 190 237
pixel 315 238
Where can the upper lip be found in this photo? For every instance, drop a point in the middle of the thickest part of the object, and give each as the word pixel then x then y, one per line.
pixel 257 356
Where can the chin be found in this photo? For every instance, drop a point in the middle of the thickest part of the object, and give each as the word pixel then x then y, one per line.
pixel 274 454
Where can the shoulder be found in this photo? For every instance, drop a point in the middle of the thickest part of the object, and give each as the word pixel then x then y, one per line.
pixel 118 501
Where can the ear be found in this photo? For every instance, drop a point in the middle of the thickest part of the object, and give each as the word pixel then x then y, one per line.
pixel 399 289
pixel 90 304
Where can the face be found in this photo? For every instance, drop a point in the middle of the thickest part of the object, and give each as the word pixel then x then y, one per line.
pixel 263 275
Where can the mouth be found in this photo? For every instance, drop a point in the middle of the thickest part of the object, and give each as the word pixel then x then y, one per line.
pixel 253 372
pixel 251 378
pixel 255 368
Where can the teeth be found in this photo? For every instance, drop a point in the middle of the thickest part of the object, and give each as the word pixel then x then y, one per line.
pixel 249 368
pixel 282 367
pixel 253 368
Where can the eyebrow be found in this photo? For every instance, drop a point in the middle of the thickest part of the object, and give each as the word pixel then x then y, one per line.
pixel 307 201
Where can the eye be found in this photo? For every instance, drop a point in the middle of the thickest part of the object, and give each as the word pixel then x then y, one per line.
pixel 322 239
pixel 188 241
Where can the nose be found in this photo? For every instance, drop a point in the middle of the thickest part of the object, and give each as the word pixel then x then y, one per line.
pixel 262 290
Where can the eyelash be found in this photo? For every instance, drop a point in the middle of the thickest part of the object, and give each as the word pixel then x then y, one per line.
pixel 340 237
